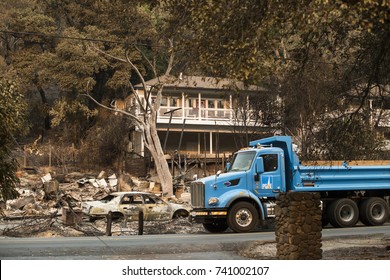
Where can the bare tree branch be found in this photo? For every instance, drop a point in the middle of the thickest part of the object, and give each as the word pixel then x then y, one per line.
pixel 114 109
pixel 152 66
pixel 171 58
pixel 107 54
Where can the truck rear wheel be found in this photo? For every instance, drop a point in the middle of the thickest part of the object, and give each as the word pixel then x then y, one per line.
pixel 216 226
pixel 242 217
pixel 343 213
pixel 374 211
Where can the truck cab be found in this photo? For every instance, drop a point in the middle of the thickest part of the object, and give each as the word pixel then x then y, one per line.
pixel 259 170
pixel 245 192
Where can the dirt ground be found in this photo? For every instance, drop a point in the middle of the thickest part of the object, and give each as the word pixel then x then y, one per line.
pixel 373 247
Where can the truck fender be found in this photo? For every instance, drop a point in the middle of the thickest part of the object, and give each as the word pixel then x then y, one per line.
pixel 230 197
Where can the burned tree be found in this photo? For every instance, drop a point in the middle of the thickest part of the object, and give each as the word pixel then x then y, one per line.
pixel 145 115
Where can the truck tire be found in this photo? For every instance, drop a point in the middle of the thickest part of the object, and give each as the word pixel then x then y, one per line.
pixel 242 217
pixel 343 213
pixel 374 211
pixel 216 226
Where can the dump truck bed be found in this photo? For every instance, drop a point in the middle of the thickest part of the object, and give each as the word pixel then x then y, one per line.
pixel 343 178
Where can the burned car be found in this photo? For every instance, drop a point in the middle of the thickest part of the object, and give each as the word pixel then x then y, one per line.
pixel 128 205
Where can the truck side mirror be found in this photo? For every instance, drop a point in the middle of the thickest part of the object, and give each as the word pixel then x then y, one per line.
pixel 259 165
pixel 227 166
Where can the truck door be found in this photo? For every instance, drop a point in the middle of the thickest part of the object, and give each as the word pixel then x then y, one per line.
pixel 269 183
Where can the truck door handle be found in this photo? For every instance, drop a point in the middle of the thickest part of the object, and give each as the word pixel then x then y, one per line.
pixel 276 191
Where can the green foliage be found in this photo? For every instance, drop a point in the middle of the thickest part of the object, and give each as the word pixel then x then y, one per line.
pixel 12 108
pixel 248 39
pixel 50 50
pixel 68 111
pixel 12 115
pixel 227 38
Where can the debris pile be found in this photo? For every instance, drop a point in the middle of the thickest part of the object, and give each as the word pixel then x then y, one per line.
pixel 50 204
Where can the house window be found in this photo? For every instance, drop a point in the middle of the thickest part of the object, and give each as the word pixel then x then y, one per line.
pixel 174 102
pixel 164 101
pixel 202 102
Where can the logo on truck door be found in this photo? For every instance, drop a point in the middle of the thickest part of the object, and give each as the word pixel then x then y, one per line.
pixel 266 182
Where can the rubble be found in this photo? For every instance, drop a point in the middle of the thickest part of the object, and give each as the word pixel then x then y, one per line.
pixel 20 202
pixel 50 205
pixel 71 216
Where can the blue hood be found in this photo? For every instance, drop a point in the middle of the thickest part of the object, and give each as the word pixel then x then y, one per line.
pixel 224 185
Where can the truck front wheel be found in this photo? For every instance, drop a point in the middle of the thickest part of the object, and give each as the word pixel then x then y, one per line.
pixel 343 213
pixel 242 217
pixel 216 226
pixel 374 211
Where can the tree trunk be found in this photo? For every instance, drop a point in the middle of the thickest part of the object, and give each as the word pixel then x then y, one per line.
pixel 154 146
pixel 47 123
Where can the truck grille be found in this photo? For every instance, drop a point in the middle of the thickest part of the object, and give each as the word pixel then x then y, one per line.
pixel 197 195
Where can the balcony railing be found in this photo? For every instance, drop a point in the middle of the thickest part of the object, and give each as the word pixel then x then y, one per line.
pixel 201 114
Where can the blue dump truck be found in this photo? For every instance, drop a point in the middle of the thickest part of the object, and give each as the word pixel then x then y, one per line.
pixel 245 194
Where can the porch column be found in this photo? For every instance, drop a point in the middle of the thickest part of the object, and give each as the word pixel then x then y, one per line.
pixel 199 106
pixel 211 142
pixel 231 107
pixel 183 106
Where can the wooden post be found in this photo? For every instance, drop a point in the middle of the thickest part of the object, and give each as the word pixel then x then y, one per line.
pixel 109 224
pixel 140 222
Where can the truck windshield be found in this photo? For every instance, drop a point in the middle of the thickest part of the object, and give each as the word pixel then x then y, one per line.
pixel 242 161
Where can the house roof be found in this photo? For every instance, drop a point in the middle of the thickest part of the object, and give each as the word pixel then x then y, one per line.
pixel 200 82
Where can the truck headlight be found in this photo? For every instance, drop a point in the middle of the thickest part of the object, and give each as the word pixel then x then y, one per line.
pixel 213 200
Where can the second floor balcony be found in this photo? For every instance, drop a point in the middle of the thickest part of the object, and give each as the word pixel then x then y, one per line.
pixel 207 116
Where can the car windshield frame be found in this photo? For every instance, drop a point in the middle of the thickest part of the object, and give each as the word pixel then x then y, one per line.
pixel 242 161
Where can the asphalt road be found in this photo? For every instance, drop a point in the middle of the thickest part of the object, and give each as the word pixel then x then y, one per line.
pixel 169 246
